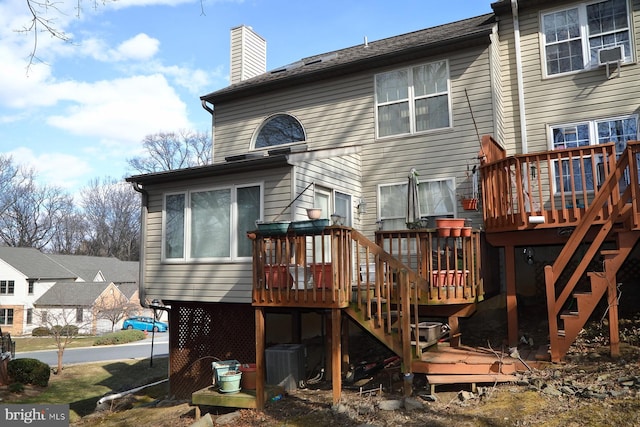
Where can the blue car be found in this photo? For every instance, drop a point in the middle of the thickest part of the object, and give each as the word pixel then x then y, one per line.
pixel 143 323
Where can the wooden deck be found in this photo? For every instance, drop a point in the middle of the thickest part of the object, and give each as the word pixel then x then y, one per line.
pixel 210 396
pixel 442 359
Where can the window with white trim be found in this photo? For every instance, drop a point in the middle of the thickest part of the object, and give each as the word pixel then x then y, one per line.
pixel 279 129
pixel 210 224
pixel 412 100
pixel 618 130
pixel 7 287
pixel 572 37
pixel 6 316
pixel 437 199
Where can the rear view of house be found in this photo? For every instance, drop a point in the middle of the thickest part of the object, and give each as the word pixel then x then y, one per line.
pixel 520 122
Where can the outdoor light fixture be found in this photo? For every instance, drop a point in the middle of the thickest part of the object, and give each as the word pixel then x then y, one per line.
pixel 528 255
pixel 362 207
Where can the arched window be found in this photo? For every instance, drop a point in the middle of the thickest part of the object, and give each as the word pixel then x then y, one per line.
pixel 279 129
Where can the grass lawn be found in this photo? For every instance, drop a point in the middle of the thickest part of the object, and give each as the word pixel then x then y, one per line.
pixel 49 343
pixel 81 386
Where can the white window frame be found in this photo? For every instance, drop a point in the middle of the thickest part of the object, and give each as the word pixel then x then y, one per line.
pixel 593 140
pixel 256 134
pixel 233 235
pixel 423 213
pixel 411 100
pixel 5 316
pixel 584 37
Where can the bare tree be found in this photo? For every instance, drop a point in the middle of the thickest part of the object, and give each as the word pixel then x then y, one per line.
pixel 31 212
pixel 8 173
pixel 63 321
pixel 173 150
pixel 112 213
pixel 43 14
pixel 114 308
pixel 70 234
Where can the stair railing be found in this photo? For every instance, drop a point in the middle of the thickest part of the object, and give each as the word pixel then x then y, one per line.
pixel 609 197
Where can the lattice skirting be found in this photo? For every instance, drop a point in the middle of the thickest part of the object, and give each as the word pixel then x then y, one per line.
pixel 203 333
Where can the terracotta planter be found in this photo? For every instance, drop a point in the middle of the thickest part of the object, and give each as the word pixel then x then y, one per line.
pixel 470 204
pixel 466 232
pixel 449 277
pixel 449 222
pixel 444 231
pixel 456 231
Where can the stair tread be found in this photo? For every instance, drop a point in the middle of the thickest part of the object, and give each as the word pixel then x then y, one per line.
pixel 469 378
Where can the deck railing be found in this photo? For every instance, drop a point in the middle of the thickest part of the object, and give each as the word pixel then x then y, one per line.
pixel 337 265
pixel 546 189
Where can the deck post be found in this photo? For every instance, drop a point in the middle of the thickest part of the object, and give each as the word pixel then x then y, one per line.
pixel 336 354
pixel 512 300
pixel 614 333
pixel 260 359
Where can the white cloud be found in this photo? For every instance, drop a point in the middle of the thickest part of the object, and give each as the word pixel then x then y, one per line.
pixel 138 48
pixel 58 169
pixel 124 109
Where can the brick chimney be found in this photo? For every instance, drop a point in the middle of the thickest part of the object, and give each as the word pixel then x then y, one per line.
pixel 248 54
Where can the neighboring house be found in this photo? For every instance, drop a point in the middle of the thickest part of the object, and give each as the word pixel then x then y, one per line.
pixel 27 275
pixel 93 307
pixel 342 130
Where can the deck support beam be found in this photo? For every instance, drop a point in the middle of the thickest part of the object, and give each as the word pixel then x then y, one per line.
pixel 512 300
pixel 336 354
pixel 260 358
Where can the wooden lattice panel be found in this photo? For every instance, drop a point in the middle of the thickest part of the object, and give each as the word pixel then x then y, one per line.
pixel 204 333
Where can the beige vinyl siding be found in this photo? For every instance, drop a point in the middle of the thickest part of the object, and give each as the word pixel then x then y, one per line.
pixel 580 96
pixel 333 113
pixel 206 281
pixel 341 112
pixel 496 85
pixel 248 54
pixel 336 173
pixel 438 154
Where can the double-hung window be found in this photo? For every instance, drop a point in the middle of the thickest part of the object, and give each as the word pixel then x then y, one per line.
pixel 437 199
pixel 210 224
pixel 412 100
pixel 7 287
pixel 6 316
pixel 572 37
pixel 569 173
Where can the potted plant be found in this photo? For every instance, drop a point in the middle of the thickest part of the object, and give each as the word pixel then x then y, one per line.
pixel 470 200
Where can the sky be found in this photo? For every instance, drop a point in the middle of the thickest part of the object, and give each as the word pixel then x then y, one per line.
pixel 132 68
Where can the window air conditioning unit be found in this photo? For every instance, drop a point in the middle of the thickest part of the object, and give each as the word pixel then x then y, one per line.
pixel 610 54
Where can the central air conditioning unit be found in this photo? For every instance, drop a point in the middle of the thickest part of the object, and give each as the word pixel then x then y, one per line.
pixel 286 365
pixel 610 55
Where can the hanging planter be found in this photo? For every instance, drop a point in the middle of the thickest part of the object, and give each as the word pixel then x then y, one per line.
pixel 470 198
pixel 470 204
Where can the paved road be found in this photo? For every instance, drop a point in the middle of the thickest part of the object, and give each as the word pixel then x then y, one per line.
pixel 137 350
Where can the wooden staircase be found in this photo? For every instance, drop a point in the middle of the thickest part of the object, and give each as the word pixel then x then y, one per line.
pixel 569 308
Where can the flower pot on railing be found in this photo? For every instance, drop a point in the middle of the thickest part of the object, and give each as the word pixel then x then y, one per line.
pixel 449 277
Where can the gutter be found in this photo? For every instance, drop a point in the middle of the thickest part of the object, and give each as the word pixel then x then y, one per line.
pixel 521 103
pixel 144 206
pixel 213 125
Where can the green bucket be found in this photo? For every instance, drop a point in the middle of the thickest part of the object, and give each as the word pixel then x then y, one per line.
pixel 230 382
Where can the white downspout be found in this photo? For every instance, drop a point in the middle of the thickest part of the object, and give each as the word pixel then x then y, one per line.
pixel 521 103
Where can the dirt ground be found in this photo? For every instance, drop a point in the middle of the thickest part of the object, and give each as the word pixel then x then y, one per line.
pixel 588 389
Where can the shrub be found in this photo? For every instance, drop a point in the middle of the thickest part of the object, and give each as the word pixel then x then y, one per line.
pixel 29 371
pixel 16 387
pixel 120 337
pixel 41 332
pixel 66 330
